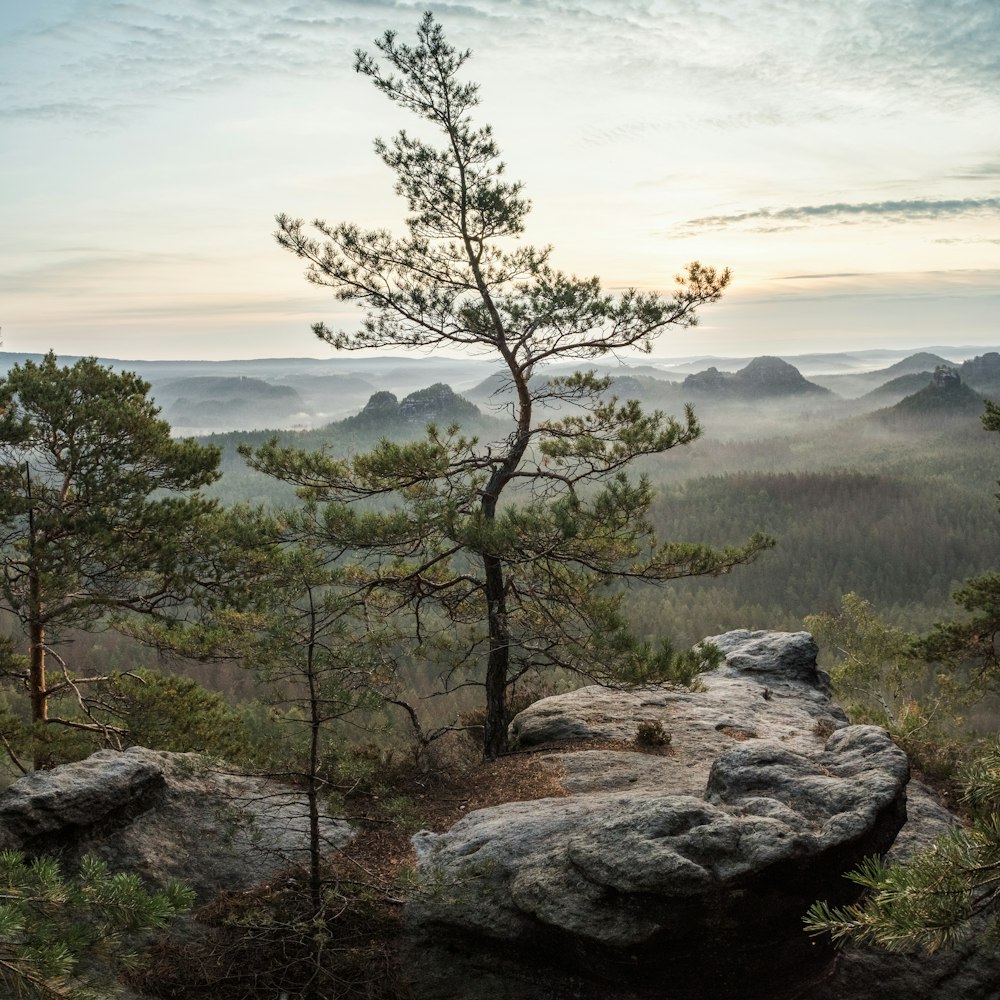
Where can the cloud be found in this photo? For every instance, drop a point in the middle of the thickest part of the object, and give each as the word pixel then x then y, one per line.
pixel 810 277
pixel 114 55
pixel 979 172
pixel 969 240
pixel 917 284
pixel 99 60
pixel 769 220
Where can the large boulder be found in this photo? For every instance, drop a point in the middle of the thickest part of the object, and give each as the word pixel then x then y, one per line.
pixel 681 873
pixel 164 816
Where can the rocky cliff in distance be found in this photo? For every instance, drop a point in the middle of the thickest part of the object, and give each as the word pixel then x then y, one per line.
pixel 437 403
pixel 762 378
pixel 943 397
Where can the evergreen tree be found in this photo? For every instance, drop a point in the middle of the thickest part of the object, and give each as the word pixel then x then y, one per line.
pixel 323 656
pixel 514 541
pixel 97 517
pixel 49 924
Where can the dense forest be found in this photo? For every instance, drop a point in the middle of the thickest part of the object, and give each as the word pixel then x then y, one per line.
pixel 899 513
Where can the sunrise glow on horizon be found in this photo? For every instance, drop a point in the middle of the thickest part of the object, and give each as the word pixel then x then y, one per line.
pixel 842 159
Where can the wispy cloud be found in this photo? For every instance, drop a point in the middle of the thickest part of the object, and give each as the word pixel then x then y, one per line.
pixel 979 172
pixel 973 241
pixel 816 277
pixel 112 55
pixel 769 220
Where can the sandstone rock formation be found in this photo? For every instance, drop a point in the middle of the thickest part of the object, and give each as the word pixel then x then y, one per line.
pixel 762 378
pixel 680 874
pixel 164 816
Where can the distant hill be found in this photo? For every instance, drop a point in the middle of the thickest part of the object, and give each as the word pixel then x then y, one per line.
pixel 914 364
pixel 763 378
pixel 857 384
pixel 385 414
pixel 211 401
pixel 982 373
pixel 895 389
pixel 945 397
pixel 497 388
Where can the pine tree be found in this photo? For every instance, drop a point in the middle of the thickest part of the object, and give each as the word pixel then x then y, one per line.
pixel 929 900
pixel 97 515
pixel 49 924
pixel 513 543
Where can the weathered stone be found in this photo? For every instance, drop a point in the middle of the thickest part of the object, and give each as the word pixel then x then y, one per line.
pixel 105 789
pixel 681 874
pixel 164 816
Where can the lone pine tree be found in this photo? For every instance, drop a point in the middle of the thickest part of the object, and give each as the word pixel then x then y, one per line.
pixel 502 550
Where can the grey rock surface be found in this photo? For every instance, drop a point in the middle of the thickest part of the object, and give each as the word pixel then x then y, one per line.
pixel 77 797
pixel 970 971
pixel 164 816
pixel 678 874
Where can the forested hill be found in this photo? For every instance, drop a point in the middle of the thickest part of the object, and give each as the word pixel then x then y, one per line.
pixel 211 401
pixel 763 378
pixel 383 416
pixel 904 543
pixel 945 397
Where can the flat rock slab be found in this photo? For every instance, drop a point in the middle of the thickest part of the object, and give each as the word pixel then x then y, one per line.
pixel 164 816
pixel 690 867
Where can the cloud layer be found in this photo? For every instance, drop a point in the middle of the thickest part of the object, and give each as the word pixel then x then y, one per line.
pixel 146 145
pixel 770 220
pixel 95 58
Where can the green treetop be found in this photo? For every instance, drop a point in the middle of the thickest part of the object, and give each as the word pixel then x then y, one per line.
pixel 96 513
pixel 503 548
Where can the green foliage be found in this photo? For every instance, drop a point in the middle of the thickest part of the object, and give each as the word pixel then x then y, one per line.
pixel 928 901
pixel 667 665
pixel 171 712
pixel 974 638
pixel 59 936
pixel 873 672
pixel 968 648
pixel 651 733
pixel 902 538
pixel 97 514
pixel 880 681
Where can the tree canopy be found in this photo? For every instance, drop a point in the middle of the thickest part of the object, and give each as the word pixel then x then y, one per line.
pixel 512 543
pixel 98 509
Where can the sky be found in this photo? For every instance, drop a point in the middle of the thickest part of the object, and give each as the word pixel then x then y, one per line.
pixel 842 157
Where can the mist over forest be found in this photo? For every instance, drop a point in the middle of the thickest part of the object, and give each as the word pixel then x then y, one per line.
pixel 872 477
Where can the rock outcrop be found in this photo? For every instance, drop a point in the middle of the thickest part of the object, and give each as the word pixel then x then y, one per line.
pixel 762 378
pixel 683 873
pixel 671 872
pixel 163 816
pixel 437 403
